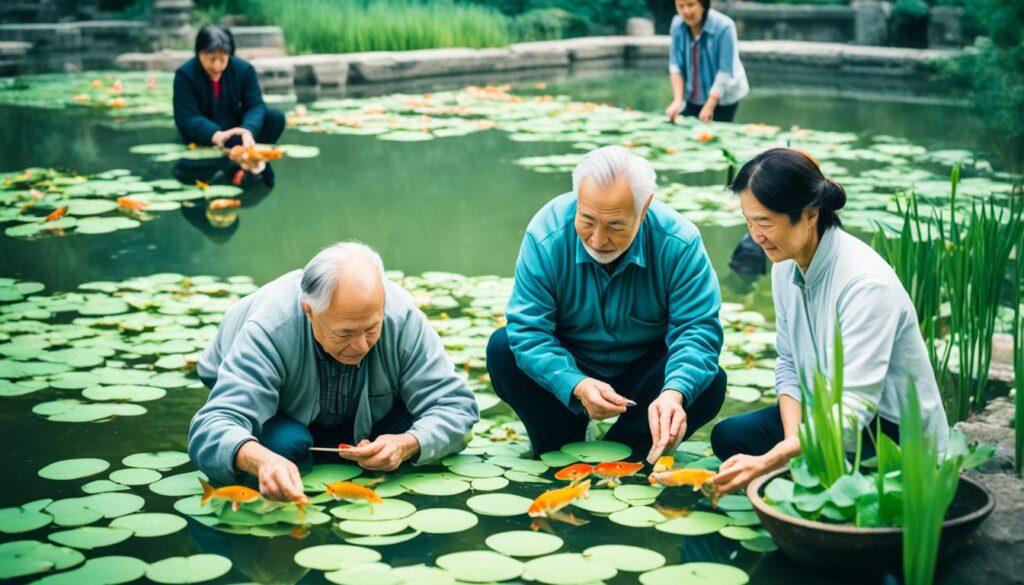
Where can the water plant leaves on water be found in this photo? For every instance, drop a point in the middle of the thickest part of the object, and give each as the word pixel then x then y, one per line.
pixel 382 540
pixel 637 517
pixel 373 527
pixel 25 518
pixel 388 510
pixel 524 543
pixel 476 470
pixel 191 569
pixel 332 557
pixel 694 524
pixel 124 393
pixel 695 573
pixel 161 460
pixel 740 533
pixel 499 504
pixel 190 506
pixel 480 566
pixel 109 570
pixel 182 484
pixel 27 557
pixel 488 484
pixel 734 502
pixel 637 495
pixel 568 569
pixel 443 520
pixel 632 559
pixel 90 537
pixel 74 468
pixel 101 486
pixel 761 544
pixel 600 502
pixel 150 524
pixel 434 486
pixel 135 476
pixel 328 473
pixel 558 458
pixel 597 451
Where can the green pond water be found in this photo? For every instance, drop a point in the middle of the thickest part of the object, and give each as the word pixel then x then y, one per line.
pixel 455 205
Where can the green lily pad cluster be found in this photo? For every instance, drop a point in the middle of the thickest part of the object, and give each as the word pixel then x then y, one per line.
pixel 173 151
pixel 116 93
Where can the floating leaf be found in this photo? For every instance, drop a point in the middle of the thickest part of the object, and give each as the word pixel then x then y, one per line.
pixel 739 533
pixel 90 537
pixel 627 558
pixel 112 570
pixel 637 517
pixel 182 484
pixel 480 566
pixel 156 460
pixel 192 569
pixel 476 470
pixel 568 569
pixel 329 473
pixel 332 557
pixel 25 518
pixel 695 573
pixel 637 495
pixel 524 543
pixel 190 506
pixel 388 510
pixel 382 540
pixel 761 544
pixel 124 393
pixel 73 468
pixel 597 451
pixel 27 557
pixel 434 486
pixel 135 476
pixel 558 458
pixel 499 504
pixel 150 524
pixel 373 527
pixel 488 484
pixel 600 502
pixel 695 524
pixel 442 520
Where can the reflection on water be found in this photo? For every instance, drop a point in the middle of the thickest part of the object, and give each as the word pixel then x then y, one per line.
pixel 218 220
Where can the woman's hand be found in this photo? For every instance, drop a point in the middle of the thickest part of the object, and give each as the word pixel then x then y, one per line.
pixel 738 471
pixel 673 109
pixel 221 137
pixel 707 113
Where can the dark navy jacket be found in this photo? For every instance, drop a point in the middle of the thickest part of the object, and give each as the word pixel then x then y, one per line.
pixel 198 115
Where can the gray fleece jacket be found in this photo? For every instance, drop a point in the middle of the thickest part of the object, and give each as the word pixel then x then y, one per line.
pixel 264 362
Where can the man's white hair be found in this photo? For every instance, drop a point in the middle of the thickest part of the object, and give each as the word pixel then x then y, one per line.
pixel 609 164
pixel 320 276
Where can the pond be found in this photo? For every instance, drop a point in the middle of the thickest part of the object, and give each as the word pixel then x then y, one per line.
pixel 442 208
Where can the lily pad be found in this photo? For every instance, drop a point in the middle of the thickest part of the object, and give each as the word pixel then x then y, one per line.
pixel 90 537
pixel 25 518
pixel 637 517
pixel 568 569
pixel 734 503
pixel 156 460
pixel 695 524
pixel 434 486
pixel 499 504
pixel 489 484
pixel 523 477
pixel 333 557
pixel 695 573
pixel 124 393
pixel 383 540
pixel 761 544
pixel 373 527
pixel 597 451
pixel 27 557
pixel 480 566
pixel 388 510
pixel 600 502
pixel 637 495
pixel 73 468
pixel 150 524
pixel 558 458
pixel 524 543
pixel 192 569
pixel 442 520
pixel 112 570
pixel 135 476
pixel 632 559
pixel 743 393
pixel 476 470
pixel 190 506
pixel 329 473
pixel 182 484
pixel 299 151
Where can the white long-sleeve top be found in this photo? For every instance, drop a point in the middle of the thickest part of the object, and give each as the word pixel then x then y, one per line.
pixel 882 343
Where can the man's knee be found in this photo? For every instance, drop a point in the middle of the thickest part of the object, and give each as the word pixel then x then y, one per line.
pixel 726 438
pixel 273 126
pixel 500 360
pixel 287 437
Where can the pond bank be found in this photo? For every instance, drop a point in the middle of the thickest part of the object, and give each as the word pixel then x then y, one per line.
pixel 845 68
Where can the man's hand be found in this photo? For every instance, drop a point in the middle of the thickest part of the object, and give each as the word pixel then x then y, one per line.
pixel 279 478
pixel 600 400
pixel 738 471
pixel 673 109
pixel 385 453
pixel 667 420
pixel 707 113
pixel 221 137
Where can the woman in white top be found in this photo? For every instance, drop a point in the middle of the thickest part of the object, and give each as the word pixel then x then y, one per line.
pixel 821 272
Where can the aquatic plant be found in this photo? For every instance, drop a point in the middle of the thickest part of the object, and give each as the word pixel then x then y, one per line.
pixel 1018 355
pixel 822 426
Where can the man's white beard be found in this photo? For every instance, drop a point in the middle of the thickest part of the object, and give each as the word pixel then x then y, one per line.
pixel 603 258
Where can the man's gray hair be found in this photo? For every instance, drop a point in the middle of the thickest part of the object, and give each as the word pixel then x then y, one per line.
pixel 608 164
pixel 320 276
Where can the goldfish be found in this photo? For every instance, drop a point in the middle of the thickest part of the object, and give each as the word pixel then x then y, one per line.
pixel 236 494
pixel 192 146
pixel 151 83
pixel 671 150
pixel 117 103
pixel 549 503
pixel 611 472
pixel 81 98
pixel 347 490
pixel 574 472
pixel 96 84
pixel 131 204
pixel 684 476
pixel 251 153
pixel 57 214
pixel 202 185
pixel 238 178
pixel 218 204
pixel 705 137
pixel 664 463
pixel 117 86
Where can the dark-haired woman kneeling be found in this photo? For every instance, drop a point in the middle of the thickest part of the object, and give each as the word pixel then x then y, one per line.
pixel 821 272
pixel 217 99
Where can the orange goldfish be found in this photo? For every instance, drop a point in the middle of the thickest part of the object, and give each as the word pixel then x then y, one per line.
pixel 251 153
pixel 705 137
pixel 684 476
pixel 202 185
pixel 81 98
pixel 574 472
pixel 549 503
pixel 613 471
pixel 117 103
pixel 347 490
pixel 218 204
pixel 131 204
pixel 236 494
pixel 57 214
pixel 151 83
pixel 664 463
pixel 238 178
pixel 96 84
pixel 117 87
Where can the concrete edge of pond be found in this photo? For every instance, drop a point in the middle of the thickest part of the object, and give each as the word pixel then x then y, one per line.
pixel 804 64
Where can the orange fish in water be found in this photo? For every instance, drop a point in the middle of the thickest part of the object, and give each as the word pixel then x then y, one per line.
pixel 253 154
pixel 96 84
pixel 574 472
pixel 202 185
pixel 236 494
pixel 664 463
pixel 705 137
pixel 151 83
pixel 613 471
pixel 57 214
pixel 117 103
pixel 238 178
pixel 117 87
pixel 347 490
pixel 218 204
pixel 549 503
pixel 679 477
pixel 131 204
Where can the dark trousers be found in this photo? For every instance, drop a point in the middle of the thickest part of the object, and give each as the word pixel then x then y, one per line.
pixel 291 439
pixel 551 424
pixel 273 126
pixel 755 433
pixel 722 113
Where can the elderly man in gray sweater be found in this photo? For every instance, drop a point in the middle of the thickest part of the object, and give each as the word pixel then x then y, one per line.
pixel 334 353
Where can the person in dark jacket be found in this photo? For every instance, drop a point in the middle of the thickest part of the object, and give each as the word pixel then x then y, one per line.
pixel 217 98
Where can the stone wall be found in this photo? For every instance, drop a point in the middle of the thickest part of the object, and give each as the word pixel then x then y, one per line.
pixel 75 46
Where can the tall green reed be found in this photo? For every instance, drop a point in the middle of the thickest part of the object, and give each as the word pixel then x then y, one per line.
pixel 1018 353
pixel 821 426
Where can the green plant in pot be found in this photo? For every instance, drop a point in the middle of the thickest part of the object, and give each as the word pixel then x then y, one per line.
pixel 829 498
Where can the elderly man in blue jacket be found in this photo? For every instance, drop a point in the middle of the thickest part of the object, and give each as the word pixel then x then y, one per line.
pixel 614 312
pixel 329 354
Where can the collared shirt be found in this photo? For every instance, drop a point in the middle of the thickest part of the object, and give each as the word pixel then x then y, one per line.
pixel 569 319
pixel 882 344
pixel 339 396
pixel 719 70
